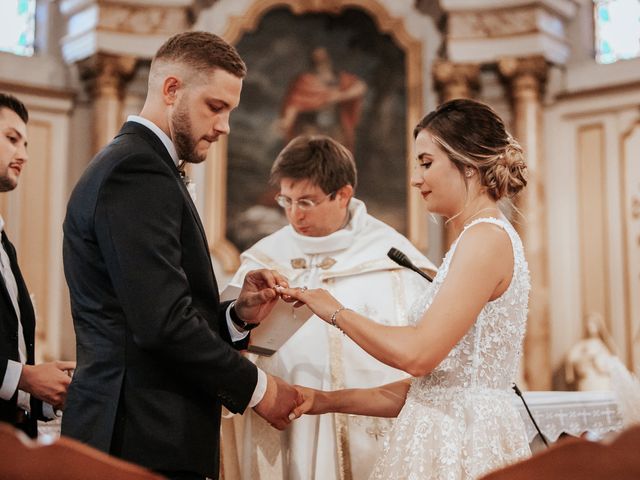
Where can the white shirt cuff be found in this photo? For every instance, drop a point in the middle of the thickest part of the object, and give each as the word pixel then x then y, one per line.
pixel 236 335
pixel 261 388
pixel 49 412
pixel 24 400
pixel 11 379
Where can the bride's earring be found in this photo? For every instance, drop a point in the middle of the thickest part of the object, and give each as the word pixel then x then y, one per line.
pixel 468 172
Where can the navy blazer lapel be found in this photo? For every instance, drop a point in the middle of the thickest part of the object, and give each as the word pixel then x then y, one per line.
pixel 3 286
pixel 151 138
pixel 27 315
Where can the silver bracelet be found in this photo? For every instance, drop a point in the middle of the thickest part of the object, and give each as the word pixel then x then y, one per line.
pixel 334 316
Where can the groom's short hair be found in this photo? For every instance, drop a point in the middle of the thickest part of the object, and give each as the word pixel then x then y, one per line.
pixel 201 51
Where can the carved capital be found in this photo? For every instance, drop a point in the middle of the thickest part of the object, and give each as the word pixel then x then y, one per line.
pixel 143 19
pixel 106 75
pixel 494 23
pixel 455 80
pixel 122 27
pixel 527 76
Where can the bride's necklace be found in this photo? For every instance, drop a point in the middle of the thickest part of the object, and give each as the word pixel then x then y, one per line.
pixel 468 220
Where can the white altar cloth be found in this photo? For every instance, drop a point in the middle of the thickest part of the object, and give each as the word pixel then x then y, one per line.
pixel 593 413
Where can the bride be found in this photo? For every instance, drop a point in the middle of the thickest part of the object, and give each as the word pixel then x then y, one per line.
pixel 455 415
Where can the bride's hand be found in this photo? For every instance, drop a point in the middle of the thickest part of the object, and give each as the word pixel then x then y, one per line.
pixel 321 302
pixel 310 404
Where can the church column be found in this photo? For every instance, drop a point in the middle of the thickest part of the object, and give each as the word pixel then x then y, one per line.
pixel 454 80
pixel 526 78
pixel 106 39
pixel 105 78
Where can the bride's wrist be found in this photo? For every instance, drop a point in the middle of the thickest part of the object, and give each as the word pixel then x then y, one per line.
pixel 324 402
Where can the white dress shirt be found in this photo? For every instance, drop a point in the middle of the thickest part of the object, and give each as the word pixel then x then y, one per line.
pixel 261 385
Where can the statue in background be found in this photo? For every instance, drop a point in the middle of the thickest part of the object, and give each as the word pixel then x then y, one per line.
pixel 588 363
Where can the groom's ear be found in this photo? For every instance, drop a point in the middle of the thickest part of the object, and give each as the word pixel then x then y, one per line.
pixel 170 88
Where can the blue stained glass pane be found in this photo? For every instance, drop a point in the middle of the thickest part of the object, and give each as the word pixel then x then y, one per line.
pixel 617 29
pixel 604 14
pixel 17 26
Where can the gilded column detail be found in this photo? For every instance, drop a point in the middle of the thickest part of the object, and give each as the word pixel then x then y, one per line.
pixel 455 80
pixel 526 78
pixel 105 77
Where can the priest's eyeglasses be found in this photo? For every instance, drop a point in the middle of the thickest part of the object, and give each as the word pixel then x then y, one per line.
pixel 302 204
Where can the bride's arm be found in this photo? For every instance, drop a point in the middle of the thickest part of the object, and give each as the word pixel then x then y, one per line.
pixel 480 271
pixel 384 401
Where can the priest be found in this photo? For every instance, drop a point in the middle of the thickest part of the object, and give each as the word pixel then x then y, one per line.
pixel 331 242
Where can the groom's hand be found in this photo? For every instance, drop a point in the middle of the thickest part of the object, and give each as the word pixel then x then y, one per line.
pixel 279 400
pixel 258 295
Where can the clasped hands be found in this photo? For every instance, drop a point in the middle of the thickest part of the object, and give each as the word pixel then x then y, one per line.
pixel 282 403
pixel 261 290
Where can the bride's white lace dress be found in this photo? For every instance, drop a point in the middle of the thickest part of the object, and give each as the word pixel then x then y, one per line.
pixel 459 422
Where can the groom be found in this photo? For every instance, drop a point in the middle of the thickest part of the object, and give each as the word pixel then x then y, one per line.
pixel 156 350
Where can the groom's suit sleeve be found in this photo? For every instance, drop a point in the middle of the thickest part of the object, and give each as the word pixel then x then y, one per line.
pixel 144 226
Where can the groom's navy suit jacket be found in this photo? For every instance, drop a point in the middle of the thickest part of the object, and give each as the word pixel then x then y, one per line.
pixel 155 358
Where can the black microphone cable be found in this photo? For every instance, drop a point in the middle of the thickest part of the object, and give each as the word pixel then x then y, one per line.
pixel 519 393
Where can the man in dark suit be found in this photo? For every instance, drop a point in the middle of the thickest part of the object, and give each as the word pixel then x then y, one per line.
pixel 23 385
pixel 157 352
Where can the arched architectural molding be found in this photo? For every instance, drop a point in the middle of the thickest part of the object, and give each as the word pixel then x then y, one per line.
pixel 412 32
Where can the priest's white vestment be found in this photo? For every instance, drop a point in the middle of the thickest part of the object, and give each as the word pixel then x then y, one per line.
pixel 352 264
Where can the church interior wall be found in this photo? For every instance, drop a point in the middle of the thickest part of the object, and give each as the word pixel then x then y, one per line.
pixel 591 183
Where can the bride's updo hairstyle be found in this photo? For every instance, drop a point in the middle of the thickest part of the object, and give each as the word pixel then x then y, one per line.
pixel 474 137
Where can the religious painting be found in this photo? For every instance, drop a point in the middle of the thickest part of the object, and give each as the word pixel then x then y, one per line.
pixel 334 74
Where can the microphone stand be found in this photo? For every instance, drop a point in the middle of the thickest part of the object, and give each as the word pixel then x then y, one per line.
pixel 519 393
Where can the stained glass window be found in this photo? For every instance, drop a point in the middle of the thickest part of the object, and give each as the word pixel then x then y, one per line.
pixel 617 29
pixel 17 26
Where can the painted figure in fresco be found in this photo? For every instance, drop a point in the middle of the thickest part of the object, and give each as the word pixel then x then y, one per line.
pixel 323 101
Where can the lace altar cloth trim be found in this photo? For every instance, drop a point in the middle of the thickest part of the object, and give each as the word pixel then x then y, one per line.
pixel 574 413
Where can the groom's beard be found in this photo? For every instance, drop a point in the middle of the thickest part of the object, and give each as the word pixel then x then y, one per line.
pixel 183 138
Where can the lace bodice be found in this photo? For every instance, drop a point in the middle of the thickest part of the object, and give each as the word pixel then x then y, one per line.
pixel 488 356
pixel 459 422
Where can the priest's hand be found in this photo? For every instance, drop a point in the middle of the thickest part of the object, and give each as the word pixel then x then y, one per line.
pixel 279 400
pixel 258 295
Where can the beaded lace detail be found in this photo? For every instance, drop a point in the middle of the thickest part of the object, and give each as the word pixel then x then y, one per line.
pixel 458 422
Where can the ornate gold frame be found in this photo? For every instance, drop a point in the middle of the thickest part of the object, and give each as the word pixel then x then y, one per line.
pixel 215 202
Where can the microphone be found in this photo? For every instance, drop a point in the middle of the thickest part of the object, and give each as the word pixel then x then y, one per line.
pixel 402 260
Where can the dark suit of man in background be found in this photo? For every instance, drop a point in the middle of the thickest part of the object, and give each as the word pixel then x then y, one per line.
pixel 156 350
pixel 23 385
